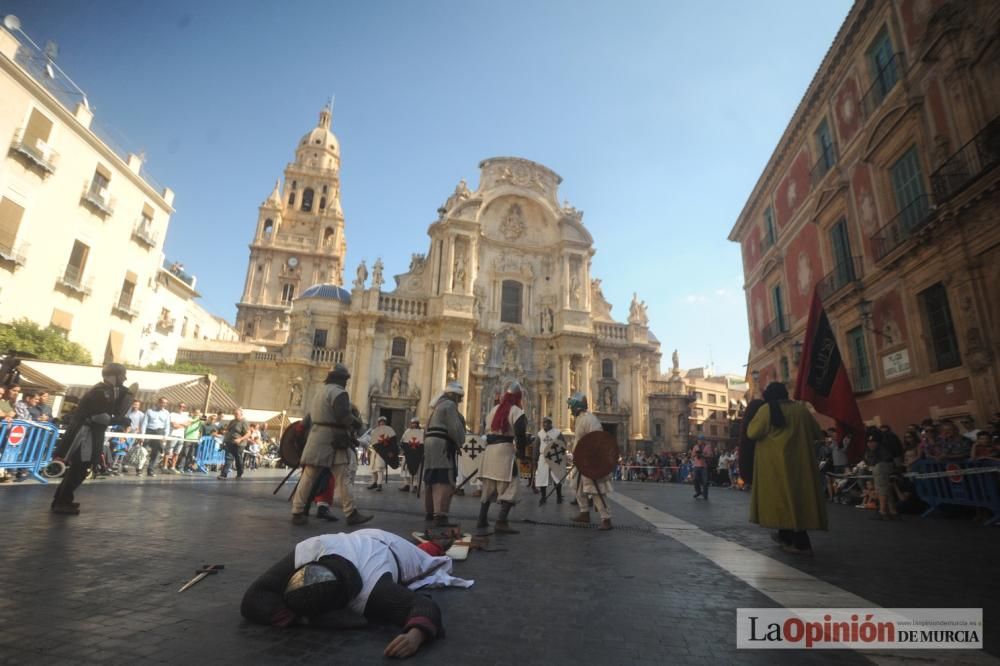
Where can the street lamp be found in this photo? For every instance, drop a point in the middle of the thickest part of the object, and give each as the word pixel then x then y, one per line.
pixel 865 310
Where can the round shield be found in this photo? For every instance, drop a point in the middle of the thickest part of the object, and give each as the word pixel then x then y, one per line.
pixel 293 442
pixel 596 454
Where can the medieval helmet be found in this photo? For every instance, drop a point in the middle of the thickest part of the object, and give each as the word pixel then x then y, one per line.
pixel 381 419
pixel 116 370
pixel 454 388
pixel 577 401
pixel 339 375
pixel 313 590
pixel 514 388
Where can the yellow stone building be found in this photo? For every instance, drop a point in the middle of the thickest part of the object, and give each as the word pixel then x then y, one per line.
pixel 503 292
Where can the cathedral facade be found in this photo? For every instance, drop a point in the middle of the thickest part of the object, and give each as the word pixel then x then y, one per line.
pixel 503 293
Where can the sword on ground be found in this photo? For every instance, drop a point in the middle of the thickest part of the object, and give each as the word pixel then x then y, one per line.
pixel 288 476
pixel 206 570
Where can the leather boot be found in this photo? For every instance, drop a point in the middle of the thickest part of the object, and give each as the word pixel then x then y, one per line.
pixel 502 526
pixel 441 520
pixel 583 518
pixel 324 513
pixel 299 519
pixel 357 518
pixel 605 524
pixel 558 494
pixel 483 524
pixel 543 498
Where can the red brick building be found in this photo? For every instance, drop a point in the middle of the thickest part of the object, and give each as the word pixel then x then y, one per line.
pixel 884 191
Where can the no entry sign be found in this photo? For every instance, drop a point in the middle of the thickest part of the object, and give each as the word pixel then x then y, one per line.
pixel 16 434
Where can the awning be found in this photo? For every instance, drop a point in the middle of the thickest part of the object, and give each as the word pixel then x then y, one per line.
pixel 38 381
pixel 75 380
pixel 260 415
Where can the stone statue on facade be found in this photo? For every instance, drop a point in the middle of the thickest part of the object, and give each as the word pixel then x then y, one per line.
pixel 394 383
pixel 452 366
pixel 547 320
pixel 637 312
pixel 677 362
pixel 574 291
pixel 609 399
pixel 458 276
pixel 359 281
pixel 377 274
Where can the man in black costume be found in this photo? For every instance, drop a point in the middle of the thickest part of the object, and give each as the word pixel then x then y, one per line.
pixel 341 580
pixel 81 445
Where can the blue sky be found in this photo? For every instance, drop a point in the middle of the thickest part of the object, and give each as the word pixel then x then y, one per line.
pixel 659 116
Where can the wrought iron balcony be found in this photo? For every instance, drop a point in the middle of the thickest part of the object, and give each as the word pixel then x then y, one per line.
pixel 885 81
pixel 823 164
pixel 73 280
pixel 774 329
pixel 900 228
pixel 966 165
pixel 124 307
pixel 843 274
pixel 35 150
pixel 98 199
pixel 15 253
pixel 144 234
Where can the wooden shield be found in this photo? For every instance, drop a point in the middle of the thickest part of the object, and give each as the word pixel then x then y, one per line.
pixel 293 442
pixel 596 454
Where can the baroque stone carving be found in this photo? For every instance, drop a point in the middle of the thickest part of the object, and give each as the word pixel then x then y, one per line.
pixel 377 274
pixel 359 281
pixel 512 226
pixel 637 312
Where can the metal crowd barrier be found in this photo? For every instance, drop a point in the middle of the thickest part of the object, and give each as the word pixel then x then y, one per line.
pixel 957 483
pixel 26 445
pixel 209 452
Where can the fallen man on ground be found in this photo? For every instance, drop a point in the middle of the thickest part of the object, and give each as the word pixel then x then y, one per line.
pixel 341 580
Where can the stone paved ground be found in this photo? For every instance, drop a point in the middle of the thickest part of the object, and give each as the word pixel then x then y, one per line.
pixel 102 587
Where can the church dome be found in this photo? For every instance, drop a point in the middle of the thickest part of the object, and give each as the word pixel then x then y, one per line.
pixel 321 136
pixel 330 291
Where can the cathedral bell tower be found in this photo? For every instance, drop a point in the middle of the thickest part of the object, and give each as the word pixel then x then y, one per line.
pixel 299 239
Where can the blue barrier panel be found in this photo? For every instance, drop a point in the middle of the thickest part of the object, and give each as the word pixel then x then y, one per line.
pixel 209 453
pixel 979 489
pixel 27 445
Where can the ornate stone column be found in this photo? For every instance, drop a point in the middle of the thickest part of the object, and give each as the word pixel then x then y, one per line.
pixel 358 387
pixel 635 418
pixel 561 415
pixel 449 268
pixel 463 376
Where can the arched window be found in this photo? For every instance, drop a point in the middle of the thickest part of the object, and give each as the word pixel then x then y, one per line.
pixel 291 199
pixel 268 226
pixel 307 199
pixel 295 184
pixel 399 347
pixel 510 301
pixel 322 203
pixel 328 236
pixel 607 368
pixel 324 189
pixel 287 294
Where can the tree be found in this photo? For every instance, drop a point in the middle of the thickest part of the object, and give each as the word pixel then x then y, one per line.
pixel 47 344
pixel 191 369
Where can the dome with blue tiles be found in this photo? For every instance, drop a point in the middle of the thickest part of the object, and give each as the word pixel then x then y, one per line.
pixel 330 291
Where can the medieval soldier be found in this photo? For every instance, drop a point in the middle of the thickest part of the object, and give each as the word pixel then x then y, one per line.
pixel 444 435
pixel 383 439
pixel 81 445
pixel 413 454
pixel 586 488
pixel 506 437
pixel 551 462
pixel 331 438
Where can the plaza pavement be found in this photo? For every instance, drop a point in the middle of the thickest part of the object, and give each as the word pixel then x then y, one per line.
pixel 102 587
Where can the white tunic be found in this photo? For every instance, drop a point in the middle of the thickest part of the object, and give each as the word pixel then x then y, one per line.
pixel 543 470
pixel 498 459
pixel 376 552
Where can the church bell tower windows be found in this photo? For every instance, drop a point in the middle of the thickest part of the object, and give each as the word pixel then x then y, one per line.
pixel 268 227
pixel 287 294
pixel 291 200
pixel 307 200
pixel 322 203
